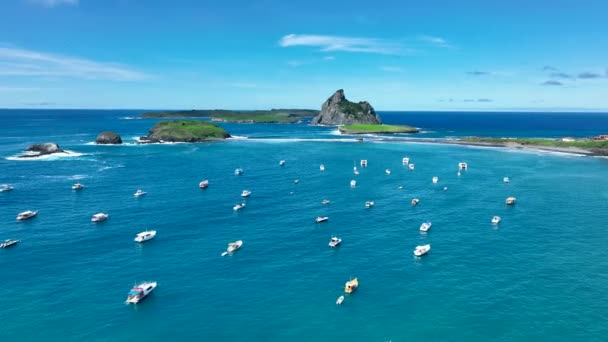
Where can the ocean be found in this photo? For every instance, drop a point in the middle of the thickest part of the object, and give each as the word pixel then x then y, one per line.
pixel 541 274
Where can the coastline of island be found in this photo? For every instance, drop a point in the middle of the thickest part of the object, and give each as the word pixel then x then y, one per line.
pixel 377 129
pixel 236 116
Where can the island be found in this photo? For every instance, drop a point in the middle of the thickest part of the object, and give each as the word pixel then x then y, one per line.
pixel 337 110
pixel 377 129
pixel 252 116
pixel 108 138
pixel 587 146
pixel 184 131
pixel 43 149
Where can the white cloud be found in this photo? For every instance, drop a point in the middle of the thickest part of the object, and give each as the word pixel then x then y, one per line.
pixel 391 69
pixel 21 62
pixel 437 41
pixel 331 58
pixel 348 44
pixel 53 3
pixel 295 63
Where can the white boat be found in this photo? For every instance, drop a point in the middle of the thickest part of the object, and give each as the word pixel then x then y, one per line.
pixel 204 184
pixel 445 188
pixel 238 171
pixel 458 173
pixel 139 193
pixel 387 171
pixel 320 219
pixel 77 186
pixel 415 201
pixel 145 236
pixel 356 172
pixel 334 241
pixel 411 167
pixel 363 163
pixel 8 243
pixel 233 246
pixel 245 193
pixel 238 207
pixel 510 200
pixel 353 183
pixel 322 167
pixel 425 226
pixel 463 166
pixel 140 291
pixel 99 217
pixel 369 204
pixel 28 214
pixel 325 201
pixel 339 300
pixel 422 250
pixel 296 181
pixel 5 187
pixel 282 163
pixel 506 180
pixel 405 160
pixel 435 180
pixel 496 220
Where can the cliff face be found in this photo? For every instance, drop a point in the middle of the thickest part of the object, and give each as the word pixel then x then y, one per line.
pixel 337 110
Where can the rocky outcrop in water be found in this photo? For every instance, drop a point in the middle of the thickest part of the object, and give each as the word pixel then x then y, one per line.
pixel 184 131
pixel 108 138
pixel 337 110
pixel 37 150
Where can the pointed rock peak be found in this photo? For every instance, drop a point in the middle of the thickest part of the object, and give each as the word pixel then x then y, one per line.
pixel 337 96
pixel 337 110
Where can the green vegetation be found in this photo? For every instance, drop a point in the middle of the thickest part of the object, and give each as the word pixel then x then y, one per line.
pixel 350 107
pixel 186 131
pixel 371 128
pixel 253 116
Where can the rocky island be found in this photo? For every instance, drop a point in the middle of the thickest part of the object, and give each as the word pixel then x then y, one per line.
pixel 251 116
pixel 108 138
pixel 377 129
pixel 43 149
pixel 337 110
pixel 184 131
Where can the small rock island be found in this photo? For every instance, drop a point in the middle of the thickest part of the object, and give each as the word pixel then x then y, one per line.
pixel 184 131
pixel 43 149
pixel 108 138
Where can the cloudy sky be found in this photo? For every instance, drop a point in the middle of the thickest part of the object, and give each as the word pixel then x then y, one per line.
pixel 399 55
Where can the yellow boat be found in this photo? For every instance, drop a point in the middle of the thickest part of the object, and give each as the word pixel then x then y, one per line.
pixel 351 285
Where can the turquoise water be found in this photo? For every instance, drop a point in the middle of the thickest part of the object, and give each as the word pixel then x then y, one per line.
pixel 542 274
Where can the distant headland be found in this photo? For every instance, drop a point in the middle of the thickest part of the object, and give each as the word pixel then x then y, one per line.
pixel 237 116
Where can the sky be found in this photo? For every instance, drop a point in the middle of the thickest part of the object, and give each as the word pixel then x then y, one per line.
pixel 546 55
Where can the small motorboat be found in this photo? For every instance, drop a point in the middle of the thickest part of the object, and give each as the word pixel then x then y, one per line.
pixel 139 292
pixel 321 167
pixel 387 171
pixel 401 187
pixel 77 186
pixel 320 219
pixel 445 188
pixel 282 163
pixel 411 167
pixel 238 171
pixel 325 201
pixel 462 166
pixel 99 217
pixel 435 180
pixel 353 183
pixel 351 285
pixel 496 220
pixel 422 250
pixel 405 160
pixel 8 243
pixel 339 300
pixel 369 204
pixel 204 184
pixel 506 180
pixel 139 193
pixel 145 236
pixel 334 241
pixel 28 214
pixel 356 172
pixel 363 163
pixel 296 181
pixel 510 200
pixel 233 246
pixel 6 187
pixel 238 207
pixel 458 173
pixel 415 201
pixel 425 226
pixel 245 193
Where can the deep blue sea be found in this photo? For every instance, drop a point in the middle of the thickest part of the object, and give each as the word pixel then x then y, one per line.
pixel 541 274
